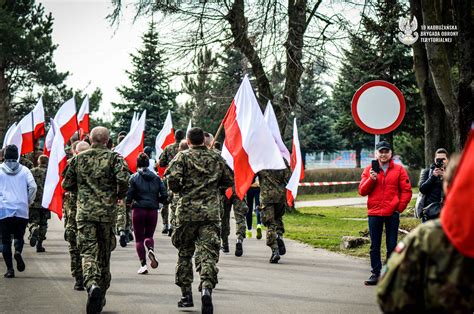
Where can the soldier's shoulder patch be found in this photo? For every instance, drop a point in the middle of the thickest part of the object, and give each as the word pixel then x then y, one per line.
pixel 400 247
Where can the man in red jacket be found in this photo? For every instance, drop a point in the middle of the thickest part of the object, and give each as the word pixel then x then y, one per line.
pixel 389 192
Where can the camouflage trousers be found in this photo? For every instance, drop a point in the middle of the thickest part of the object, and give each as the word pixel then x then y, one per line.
pixel 96 241
pixel 39 220
pixel 272 218
pixel 201 238
pixel 165 213
pixel 240 212
pixel 76 262
pixel 172 209
pixel 124 218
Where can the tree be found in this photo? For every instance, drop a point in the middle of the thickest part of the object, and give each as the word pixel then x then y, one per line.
pixel 200 108
pixel 149 90
pixel 315 115
pixel 256 31
pixel 444 74
pixel 26 53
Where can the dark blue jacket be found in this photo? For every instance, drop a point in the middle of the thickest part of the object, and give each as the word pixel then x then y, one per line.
pixel 146 190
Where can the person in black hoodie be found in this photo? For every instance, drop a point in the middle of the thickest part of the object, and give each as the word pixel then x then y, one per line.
pixel 145 193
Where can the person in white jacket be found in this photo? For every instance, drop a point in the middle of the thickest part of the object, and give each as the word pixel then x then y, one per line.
pixel 17 192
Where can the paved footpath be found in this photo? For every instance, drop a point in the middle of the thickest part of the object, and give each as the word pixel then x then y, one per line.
pixel 349 201
pixel 307 280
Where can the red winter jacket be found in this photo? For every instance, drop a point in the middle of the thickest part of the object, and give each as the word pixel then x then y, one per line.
pixel 387 194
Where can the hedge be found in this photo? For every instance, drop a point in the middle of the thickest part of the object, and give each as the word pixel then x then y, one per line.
pixel 341 174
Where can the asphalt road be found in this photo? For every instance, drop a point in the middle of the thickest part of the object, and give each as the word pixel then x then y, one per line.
pixel 307 280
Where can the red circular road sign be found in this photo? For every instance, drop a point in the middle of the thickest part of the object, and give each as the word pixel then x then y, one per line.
pixel 378 107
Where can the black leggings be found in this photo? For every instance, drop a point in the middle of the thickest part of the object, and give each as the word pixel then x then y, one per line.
pixel 12 226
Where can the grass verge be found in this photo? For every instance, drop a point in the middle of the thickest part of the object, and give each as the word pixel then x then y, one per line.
pixel 323 227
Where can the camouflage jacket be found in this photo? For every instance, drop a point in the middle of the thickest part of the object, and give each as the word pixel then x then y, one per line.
pixel 27 163
pixel 39 173
pixel 426 274
pixel 100 177
pixel 273 185
pixel 196 175
pixel 168 154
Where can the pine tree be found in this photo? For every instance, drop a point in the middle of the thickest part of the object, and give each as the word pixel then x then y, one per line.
pixel 26 55
pixel 200 107
pixel 149 89
pixel 315 115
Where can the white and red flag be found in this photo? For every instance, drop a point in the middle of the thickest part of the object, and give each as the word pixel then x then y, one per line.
pixel 53 191
pixel 66 119
pixel 296 165
pixel 38 119
pixel 271 120
pixel 13 137
pixel 83 118
pixel 32 127
pixel 134 120
pixel 132 145
pixel 249 146
pixel 166 135
pixel 163 139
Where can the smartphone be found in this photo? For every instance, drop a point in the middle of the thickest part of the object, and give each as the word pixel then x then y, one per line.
pixel 375 166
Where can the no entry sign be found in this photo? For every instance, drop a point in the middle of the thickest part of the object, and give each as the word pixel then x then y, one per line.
pixel 378 107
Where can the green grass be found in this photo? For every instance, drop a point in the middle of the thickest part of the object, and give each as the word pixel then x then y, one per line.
pixel 323 227
pixel 328 196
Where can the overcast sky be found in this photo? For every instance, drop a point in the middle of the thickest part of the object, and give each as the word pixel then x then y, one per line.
pixel 95 53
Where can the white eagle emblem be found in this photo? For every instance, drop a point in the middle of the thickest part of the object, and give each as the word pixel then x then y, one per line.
pixel 409 36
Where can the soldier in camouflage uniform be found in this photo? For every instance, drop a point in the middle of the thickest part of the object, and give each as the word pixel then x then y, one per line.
pixel 26 162
pixel 426 273
pixel 240 210
pixel 38 215
pixel 97 176
pixel 273 204
pixel 196 175
pixel 166 156
pixel 70 225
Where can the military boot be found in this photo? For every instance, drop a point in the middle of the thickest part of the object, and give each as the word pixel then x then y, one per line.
pixel 165 229
pixel 123 238
pixel 34 232
pixel 225 245
pixel 187 298
pixel 79 285
pixel 275 256
pixel 281 246
pixel 39 247
pixel 94 300
pixel 239 250
pixel 206 301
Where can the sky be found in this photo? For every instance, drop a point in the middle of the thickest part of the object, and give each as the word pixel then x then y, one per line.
pixel 95 53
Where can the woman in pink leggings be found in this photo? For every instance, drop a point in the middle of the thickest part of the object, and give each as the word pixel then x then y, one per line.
pixel 145 193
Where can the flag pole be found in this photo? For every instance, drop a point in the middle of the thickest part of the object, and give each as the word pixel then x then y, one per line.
pixel 217 133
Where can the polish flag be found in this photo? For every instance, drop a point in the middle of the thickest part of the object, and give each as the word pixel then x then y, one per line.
pixel 132 145
pixel 53 191
pixel 166 135
pixel 296 165
pixel 7 134
pixel 38 119
pixel 83 118
pixel 163 139
pixel 271 120
pixel 32 127
pixel 14 137
pixel 66 119
pixel 249 146
pixel 27 132
pixel 457 215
